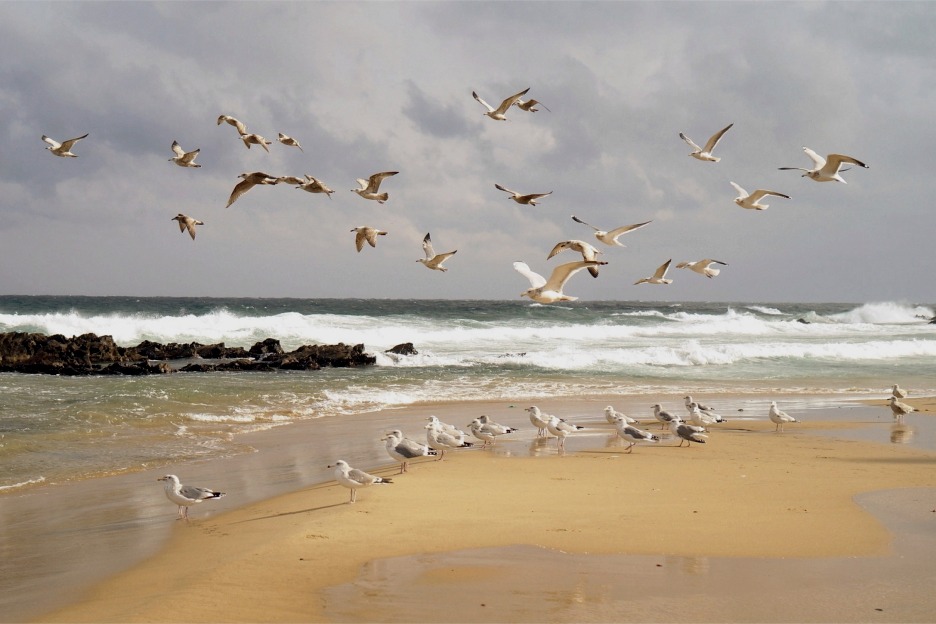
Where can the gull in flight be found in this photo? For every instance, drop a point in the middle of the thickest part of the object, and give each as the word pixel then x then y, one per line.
pixel 62 149
pixel 366 234
pixel 611 238
pixel 249 180
pixel 702 267
pixel 240 126
pixel 352 478
pixel 826 169
pixel 662 416
pixel 705 153
pixel 687 433
pixel 370 186
pixel 560 428
pixel 522 199
pixel 183 158
pixel 432 259
pixel 538 419
pixel 779 417
pixel 255 139
pixel 632 434
pixel 500 113
pixel 529 105
pixel 749 200
pixel 659 277
pixel 403 449
pixel 550 291
pixel 312 185
pixel 187 223
pixel 613 416
pixel 288 140
pixel 186 495
pixel 588 251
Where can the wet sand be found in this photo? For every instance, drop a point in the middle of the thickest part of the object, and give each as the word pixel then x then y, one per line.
pixel 753 526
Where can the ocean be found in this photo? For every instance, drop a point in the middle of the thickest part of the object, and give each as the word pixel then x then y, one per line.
pixel 55 430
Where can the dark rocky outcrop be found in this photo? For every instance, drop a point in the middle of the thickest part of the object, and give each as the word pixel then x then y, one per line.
pixel 404 348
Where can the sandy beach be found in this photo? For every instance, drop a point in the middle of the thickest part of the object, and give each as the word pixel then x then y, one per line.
pixel 754 525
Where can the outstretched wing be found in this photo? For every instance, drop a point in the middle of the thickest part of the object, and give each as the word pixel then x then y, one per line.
pixel 427 247
pixel 507 103
pixel 818 160
pixel 835 162
pixel 740 190
pixel 373 182
pixel 761 193
pixel 536 280
pixel 661 271
pixel 563 272
pixel 178 149
pixel 577 220
pixel 624 229
pixel 715 138
pixel 483 103
pixel 690 142
pixel 505 189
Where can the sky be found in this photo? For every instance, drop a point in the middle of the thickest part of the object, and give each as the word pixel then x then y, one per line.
pixel 378 86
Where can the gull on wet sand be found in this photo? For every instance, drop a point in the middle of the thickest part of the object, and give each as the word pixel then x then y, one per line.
pixel 500 113
pixel 826 169
pixel 183 158
pixel 496 427
pixel 611 237
pixel 529 199
pixel 662 416
pixel 255 139
pixel 187 223
pixel 352 478
pixel 705 153
pixel 62 149
pixel 248 181
pixel 560 428
pixel 779 417
pixel 750 200
pixel 238 125
pixel 288 140
pixel 402 449
pixel 367 235
pixel 589 252
pixel 659 277
pixel 687 433
pixel 539 420
pixel 186 495
pixel 488 431
pixel 703 419
pixel 433 260
pixel 369 187
pixel 633 435
pixel 544 290
pixel 702 267
pixel 442 437
pixel 613 416
pixel 898 408
pixel 313 185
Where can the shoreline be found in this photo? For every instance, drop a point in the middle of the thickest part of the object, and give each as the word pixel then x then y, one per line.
pixel 338 540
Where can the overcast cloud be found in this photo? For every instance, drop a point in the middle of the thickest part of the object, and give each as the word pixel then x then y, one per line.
pixel 368 87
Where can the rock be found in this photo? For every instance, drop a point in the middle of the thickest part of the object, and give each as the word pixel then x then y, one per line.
pixel 267 347
pixel 404 348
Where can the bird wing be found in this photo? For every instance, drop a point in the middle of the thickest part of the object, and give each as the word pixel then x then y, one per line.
pixel 818 160
pixel 536 280
pixel 177 149
pixel 427 247
pixel 505 189
pixel 561 274
pixel 190 226
pixel 68 144
pixel 483 103
pixel 239 189
pixel 190 156
pixel 532 196
pixel 195 493
pixel 690 142
pixel 835 162
pixel 240 126
pixel 624 229
pixel 761 193
pixel 715 138
pixel 560 247
pixel 707 262
pixel 740 190
pixel 361 477
pixel 373 182
pixel 359 238
pixel 577 220
pixel 370 234
pixel 661 271
pixel 55 144
pixel 507 103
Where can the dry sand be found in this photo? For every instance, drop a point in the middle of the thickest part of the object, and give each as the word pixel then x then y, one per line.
pixel 503 536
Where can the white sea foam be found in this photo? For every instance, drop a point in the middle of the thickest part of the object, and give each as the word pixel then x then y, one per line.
pixel 23 484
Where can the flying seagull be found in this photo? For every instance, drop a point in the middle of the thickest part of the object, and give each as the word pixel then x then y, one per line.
pixel 589 252
pixel 370 186
pixel 550 291
pixel 366 234
pixel 313 185
pixel 702 267
pixel 432 259
pixel 659 277
pixel 529 105
pixel 288 140
pixel 826 169
pixel 352 478
pixel 186 495
pixel 255 139
pixel 183 158
pixel 62 149
pixel 187 223
pixel 705 153
pixel 294 180
pixel 749 200
pixel 611 238
pixel 240 126
pixel 522 199
pixel 249 180
pixel 500 113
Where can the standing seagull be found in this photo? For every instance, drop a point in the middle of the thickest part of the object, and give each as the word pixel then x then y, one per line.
pixel 633 434
pixel 186 495
pixel 687 433
pixel 403 449
pixel 312 185
pixel 705 153
pixel 613 416
pixel 662 416
pixel 366 234
pixel 352 478
pixel 899 408
pixel 550 291
pixel 560 428
pixel 443 437
pixel 499 113
pixel 187 223
pixel 183 158
pixel 255 139
pixel 288 140
pixel 529 199
pixel 779 417
pixel 659 277
pixel 749 200
pixel 589 252
pixel 529 105
pixel 249 180
pixel 702 267
pixel 370 186
pixel 898 392
pixel 538 419
pixel 62 149
pixel 611 238
pixel 238 125
pixel 433 260
pixel 826 169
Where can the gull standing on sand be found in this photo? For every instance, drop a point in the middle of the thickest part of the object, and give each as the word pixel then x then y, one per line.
pixel 702 267
pixel 62 149
pixel 288 140
pixel 705 153
pixel 589 252
pixel 183 158
pixel 255 139
pixel 500 113
pixel 663 417
pixel 433 260
pixel 659 277
pixel 312 185
pixel 370 186
pixel 402 449
pixel 899 408
pixel 495 427
pixel 707 415
pixel 613 416
pixel 898 392
pixel 366 234
pixel 611 238
pixel 249 180
pixel 539 420
pixel 687 433
pixel 186 495
pixel 488 431
pixel 779 417
pixel 560 428
pixel 529 105
pixel 750 200
pixel 529 199
pixel 550 291
pixel 826 169
pixel 352 478
pixel 187 223
pixel 238 125
pixel 632 434
pixel 442 437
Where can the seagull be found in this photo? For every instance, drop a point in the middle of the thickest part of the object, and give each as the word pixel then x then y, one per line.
pixel 898 392
pixel 611 238
pixel 368 234
pixel 687 433
pixel 659 277
pixel 369 186
pixel 538 420
pixel 62 149
pixel 249 181
pixel 826 169
pixel 705 409
pixel 702 267
pixel 663 417
pixel 403 449
pixel 312 185
pixel 187 223
pixel 589 252
pixel 749 200
pixel 255 139
pixel 779 417
pixel 288 140
pixel 899 408
pixel 633 434
pixel 550 291
pixel 499 113
pixel 352 478
pixel 241 127
pixel 703 418
pixel 522 199
pixel 528 105
pixel 186 495
pixel 442 437
pixel 183 158
pixel 705 153
pixel 433 260
pixel 613 416
pixel 290 180
pixel 560 428
pixel 487 430
pixel 495 427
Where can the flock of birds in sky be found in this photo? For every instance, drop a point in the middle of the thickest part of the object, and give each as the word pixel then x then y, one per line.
pixel 542 290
